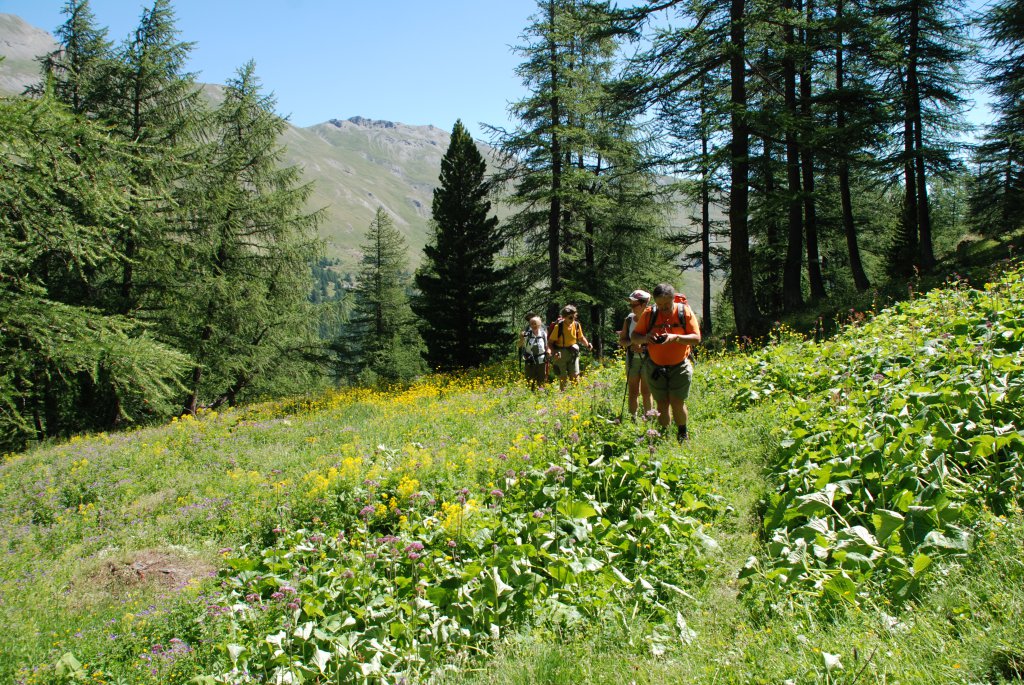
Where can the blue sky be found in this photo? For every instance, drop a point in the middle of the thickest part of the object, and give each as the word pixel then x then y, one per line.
pixel 414 61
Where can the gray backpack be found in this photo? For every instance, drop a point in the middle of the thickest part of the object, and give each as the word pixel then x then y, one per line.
pixel 535 347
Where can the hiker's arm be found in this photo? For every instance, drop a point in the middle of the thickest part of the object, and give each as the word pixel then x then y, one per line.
pixel 687 338
pixel 584 339
pixel 681 339
pixel 640 337
pixel 624 335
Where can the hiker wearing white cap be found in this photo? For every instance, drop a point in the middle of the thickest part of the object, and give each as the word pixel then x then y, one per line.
pixel 636 384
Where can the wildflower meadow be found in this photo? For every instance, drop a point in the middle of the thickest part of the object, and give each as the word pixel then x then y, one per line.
pixel 845 511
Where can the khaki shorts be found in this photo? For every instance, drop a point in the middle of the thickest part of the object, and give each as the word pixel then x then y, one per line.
pixel 666 382
pixel 566 361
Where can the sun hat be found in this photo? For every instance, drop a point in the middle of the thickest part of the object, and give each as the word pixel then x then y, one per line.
pixel 639 296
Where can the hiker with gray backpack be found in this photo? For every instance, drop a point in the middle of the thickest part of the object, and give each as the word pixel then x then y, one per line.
pixel 636 385
pixel 670 330
pixel 535 352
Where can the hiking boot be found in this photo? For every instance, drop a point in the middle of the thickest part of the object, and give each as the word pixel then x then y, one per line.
pixel 682 435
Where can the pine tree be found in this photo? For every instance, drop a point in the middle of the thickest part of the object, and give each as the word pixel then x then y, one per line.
pixel 244 264
pixel 462 299
pixel 997 204
pixel 383 343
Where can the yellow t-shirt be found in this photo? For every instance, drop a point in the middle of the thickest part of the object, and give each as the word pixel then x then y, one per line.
pixel 566 336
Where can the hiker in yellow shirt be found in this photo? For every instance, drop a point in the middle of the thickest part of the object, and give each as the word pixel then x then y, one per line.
pixel 565 337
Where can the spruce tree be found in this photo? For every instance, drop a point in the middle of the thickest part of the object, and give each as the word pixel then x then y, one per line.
pixel 462 300
pixel 383 344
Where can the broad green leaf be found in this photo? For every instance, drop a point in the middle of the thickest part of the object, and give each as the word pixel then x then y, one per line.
pixel 320 658
pixel 886 523
pixel 235 651
pixel 577 510
pixel 921 562
pixel 842 587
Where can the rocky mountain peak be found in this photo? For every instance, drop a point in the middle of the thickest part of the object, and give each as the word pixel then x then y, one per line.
pixel 370 123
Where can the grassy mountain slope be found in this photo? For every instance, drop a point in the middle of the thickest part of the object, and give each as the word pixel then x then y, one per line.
pixel 845 512
pixel 20 43
pixel 359 165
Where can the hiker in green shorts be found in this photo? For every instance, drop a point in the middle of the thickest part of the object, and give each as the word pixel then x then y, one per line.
pixel 669 329
pixel 565 337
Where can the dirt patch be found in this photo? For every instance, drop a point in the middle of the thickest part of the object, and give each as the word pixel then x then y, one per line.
pixel 145 568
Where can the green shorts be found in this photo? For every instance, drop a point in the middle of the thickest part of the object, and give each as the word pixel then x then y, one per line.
pixel 536 373
pixel 667 382
pixel 634 365
pixel 566 361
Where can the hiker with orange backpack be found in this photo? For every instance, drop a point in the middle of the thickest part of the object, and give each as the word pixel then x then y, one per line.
pixel 565 337
pixel 670 330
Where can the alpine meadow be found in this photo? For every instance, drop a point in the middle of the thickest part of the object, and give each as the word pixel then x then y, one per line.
pixel 268 413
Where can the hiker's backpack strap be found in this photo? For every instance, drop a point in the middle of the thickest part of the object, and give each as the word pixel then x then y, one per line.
pixel 682 316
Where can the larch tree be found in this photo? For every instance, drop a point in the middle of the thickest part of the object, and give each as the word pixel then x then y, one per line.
pixel 577 163
pixel 62 185
pixel 928 75
pixel 81 61
pixel 997 203
pixel 244 259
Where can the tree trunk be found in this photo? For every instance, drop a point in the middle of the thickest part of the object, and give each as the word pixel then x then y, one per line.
pixel 860 278
pixel 926 254
pixel 910 239
pixel 792 294
pixel 744 304
pixel 705 230
pixel 555 209
pixel 814 276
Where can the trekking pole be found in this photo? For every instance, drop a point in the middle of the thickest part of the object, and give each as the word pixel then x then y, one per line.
pixel 625 387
